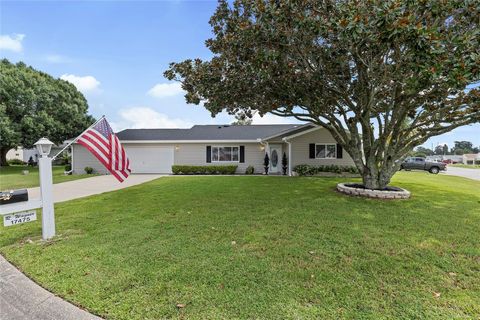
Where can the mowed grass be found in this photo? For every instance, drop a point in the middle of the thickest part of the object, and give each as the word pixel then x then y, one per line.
pixel 11 177
pixel 262 248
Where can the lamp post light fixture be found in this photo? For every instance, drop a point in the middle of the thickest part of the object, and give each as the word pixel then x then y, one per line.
pixel 46 187
pixel 43 147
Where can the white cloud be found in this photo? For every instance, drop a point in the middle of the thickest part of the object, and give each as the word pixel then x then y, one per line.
pixel 12 43
pixel 162 90
pixel 83 84
pixel 143 118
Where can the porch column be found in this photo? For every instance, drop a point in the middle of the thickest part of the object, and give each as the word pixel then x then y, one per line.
pixel 289 156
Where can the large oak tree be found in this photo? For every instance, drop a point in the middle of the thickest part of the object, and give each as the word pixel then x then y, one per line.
pixel 33 104
pixel 382 76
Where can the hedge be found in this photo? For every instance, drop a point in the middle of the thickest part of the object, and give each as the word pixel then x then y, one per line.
pixel 308 170
pixel 176 169
pixel 15 162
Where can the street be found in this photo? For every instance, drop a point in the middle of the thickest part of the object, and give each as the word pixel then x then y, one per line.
pixel 463 172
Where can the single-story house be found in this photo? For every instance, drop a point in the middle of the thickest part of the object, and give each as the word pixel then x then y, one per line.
pixel 156 150
pixel 471 158
pixel 25 154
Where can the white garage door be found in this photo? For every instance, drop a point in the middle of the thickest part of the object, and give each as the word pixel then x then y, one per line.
pixel 151 159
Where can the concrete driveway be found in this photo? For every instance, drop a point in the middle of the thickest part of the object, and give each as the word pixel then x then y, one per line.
pixel 462 172
pixel 89 186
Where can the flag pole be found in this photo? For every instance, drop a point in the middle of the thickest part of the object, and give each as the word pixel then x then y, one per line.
pixel 75 140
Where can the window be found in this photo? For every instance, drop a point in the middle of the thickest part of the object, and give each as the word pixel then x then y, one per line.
pixel 224 154
pixel 325 151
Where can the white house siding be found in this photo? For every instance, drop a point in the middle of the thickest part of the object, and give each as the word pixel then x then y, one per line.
pixel 15 154
pixel 300 149
pixel 184 154
pixel 196 154
pixel 82 158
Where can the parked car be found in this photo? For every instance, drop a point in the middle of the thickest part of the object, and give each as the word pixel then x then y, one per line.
pixel 416 163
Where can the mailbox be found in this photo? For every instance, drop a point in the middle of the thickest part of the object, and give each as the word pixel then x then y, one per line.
pixel 13 196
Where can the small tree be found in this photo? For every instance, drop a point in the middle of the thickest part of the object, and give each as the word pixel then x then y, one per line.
pixel 424 151
pixel 284 164
pixel 439 150
pixel 381 76
pixel 266 162
pixel 445 149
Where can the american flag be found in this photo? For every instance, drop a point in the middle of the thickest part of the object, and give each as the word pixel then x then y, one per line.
pixel 102 142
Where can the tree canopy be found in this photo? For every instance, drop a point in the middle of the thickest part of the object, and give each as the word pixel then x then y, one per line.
pixel 381 76
pixel 462 147
pixel 33 104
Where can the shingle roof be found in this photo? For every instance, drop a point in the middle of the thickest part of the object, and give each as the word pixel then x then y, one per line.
pixel 208 132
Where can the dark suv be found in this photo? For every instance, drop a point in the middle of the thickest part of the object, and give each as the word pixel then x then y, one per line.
pixel 415 163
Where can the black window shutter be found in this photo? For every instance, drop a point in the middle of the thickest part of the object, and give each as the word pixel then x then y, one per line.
pixel 242 154
pixel 339 151
pixel 312 150
pixel 209 154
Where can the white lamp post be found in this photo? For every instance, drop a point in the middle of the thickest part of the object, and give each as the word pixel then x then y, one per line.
pixel 46 185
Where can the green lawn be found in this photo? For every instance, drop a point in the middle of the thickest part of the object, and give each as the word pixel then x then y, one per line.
pixel 467 166
pixel 11 177
pixel 262 248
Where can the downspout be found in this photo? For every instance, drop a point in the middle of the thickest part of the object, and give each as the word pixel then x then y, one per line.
pixel 71 161
pixel 289 155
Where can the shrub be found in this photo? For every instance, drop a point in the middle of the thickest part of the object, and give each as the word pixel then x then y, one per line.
pixel 179 169
pixel 88 170
pixel 284 164
pixel 250 170
pixel 308 170
pixel 16 162
pixel 68 167
pixel 266 163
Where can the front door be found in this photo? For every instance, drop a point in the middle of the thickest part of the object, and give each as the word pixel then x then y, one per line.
pixel 275 158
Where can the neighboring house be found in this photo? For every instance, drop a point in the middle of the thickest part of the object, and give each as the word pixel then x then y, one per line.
pixel 156 150
pixel 471 158
pixel 25 154
pixel 22 154
pixel 15 154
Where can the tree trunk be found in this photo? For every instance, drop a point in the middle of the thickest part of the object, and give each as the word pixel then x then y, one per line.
pixel 3 157
pixel 376 171
pixel 376 180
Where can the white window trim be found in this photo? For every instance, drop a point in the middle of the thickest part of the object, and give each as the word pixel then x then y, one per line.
pixel 326 144
pixel 222 161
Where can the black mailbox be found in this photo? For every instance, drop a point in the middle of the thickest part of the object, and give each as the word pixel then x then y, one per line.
pixel 13 196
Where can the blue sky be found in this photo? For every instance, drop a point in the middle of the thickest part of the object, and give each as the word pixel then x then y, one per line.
pixel 115 52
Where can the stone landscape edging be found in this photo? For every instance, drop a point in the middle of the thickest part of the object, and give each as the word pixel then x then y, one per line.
pixel 370 193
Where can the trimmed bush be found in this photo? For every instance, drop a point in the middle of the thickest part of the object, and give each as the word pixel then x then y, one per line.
pixel 177 169
pixel 16 162
pixel 88 170
pixel 68 167
pixel 308 170
pixel 250 170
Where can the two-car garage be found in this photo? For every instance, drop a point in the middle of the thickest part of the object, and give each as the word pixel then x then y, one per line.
pixel 150 159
